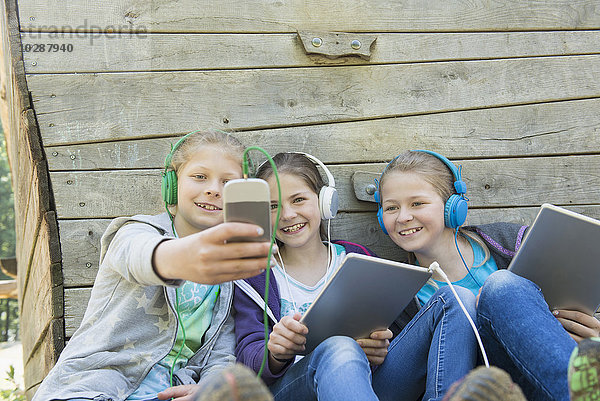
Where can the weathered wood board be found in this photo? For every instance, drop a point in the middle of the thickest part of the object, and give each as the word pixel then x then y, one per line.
pixel 514 183
pixel 43 295
pixel 39 274
pixel 281 16
pixel 45 356
pixel 569 127
pixel 77 107
pixel 69 52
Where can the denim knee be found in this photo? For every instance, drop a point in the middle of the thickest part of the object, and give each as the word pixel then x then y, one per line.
pixel 337 351
pixel 466 296
pixel 504 288
pixel 504 285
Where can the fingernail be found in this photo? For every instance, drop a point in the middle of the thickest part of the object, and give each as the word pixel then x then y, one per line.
pixel 262 270
pixel 260 231
pixel 555 312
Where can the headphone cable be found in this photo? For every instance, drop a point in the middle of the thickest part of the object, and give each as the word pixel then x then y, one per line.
pixel 461 257
pixel 245 170
pixel 436 267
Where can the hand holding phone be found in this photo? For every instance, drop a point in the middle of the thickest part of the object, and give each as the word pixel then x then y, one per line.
pixel 248 200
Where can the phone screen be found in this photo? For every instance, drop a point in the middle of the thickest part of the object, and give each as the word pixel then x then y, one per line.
pixel 250 212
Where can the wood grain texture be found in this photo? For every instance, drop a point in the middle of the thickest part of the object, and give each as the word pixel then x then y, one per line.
pixel 519 182
pixel 172 52
pixel 569 127
pixel 73 108
pixel 38 248
pixel 524 182
pixel 44 357
pixel 80 241
pixel 281 16
pixel 43 299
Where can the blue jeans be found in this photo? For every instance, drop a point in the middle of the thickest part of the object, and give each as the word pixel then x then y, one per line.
pixel 435 349
pixel 521 336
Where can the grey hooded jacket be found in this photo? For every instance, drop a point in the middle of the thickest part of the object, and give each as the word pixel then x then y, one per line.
pixel 130 322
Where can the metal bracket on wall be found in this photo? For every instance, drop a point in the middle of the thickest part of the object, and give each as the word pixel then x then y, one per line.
pixel 364 185
pixel 337 44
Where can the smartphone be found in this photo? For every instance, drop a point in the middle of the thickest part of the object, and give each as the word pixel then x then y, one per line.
pixel 248 200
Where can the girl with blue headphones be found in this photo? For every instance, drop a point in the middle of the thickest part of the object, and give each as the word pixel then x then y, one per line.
pixel 159 312
pixel 422 205
pixel 340 368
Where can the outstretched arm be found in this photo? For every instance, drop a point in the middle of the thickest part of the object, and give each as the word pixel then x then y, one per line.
pixel 207 258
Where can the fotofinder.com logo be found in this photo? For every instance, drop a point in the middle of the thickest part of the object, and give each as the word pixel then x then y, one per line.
pixel 90 32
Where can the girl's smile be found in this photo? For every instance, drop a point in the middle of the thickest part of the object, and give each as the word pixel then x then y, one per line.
pixel 410 231
pixel 293 228
pixel 208 206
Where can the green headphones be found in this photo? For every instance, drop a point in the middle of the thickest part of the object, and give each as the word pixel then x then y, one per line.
pixel 168 186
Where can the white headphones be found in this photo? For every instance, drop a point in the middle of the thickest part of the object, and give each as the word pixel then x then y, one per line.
pixel 328 196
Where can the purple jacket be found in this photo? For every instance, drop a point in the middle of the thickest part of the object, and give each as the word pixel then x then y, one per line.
pixel 248 306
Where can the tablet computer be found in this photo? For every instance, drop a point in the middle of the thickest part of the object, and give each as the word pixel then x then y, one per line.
pixel 561 254
pixel 364 295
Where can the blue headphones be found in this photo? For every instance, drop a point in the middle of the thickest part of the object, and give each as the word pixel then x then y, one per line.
pixel 455 209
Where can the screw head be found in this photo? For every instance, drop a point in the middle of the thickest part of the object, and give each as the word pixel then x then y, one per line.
pixel 34 63
pixel 370 189
pixel 81 204
pixel 31 18
pixel 69 182
pixel 73 157
pixel 54 154
pixel 355 44
pixel 88 264
pixel 317 42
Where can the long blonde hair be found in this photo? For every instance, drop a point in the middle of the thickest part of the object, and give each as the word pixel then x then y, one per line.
pixel 439 176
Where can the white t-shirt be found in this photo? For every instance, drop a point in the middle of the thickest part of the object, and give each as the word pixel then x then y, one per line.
pixel 293 292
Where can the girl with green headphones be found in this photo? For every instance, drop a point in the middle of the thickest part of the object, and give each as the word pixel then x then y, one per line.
pixel 159 312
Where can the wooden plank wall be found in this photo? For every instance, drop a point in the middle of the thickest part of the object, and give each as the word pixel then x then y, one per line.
pixel 508 88
pixel 38 250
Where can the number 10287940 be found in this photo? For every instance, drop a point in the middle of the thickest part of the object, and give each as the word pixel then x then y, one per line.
pixel 48 47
